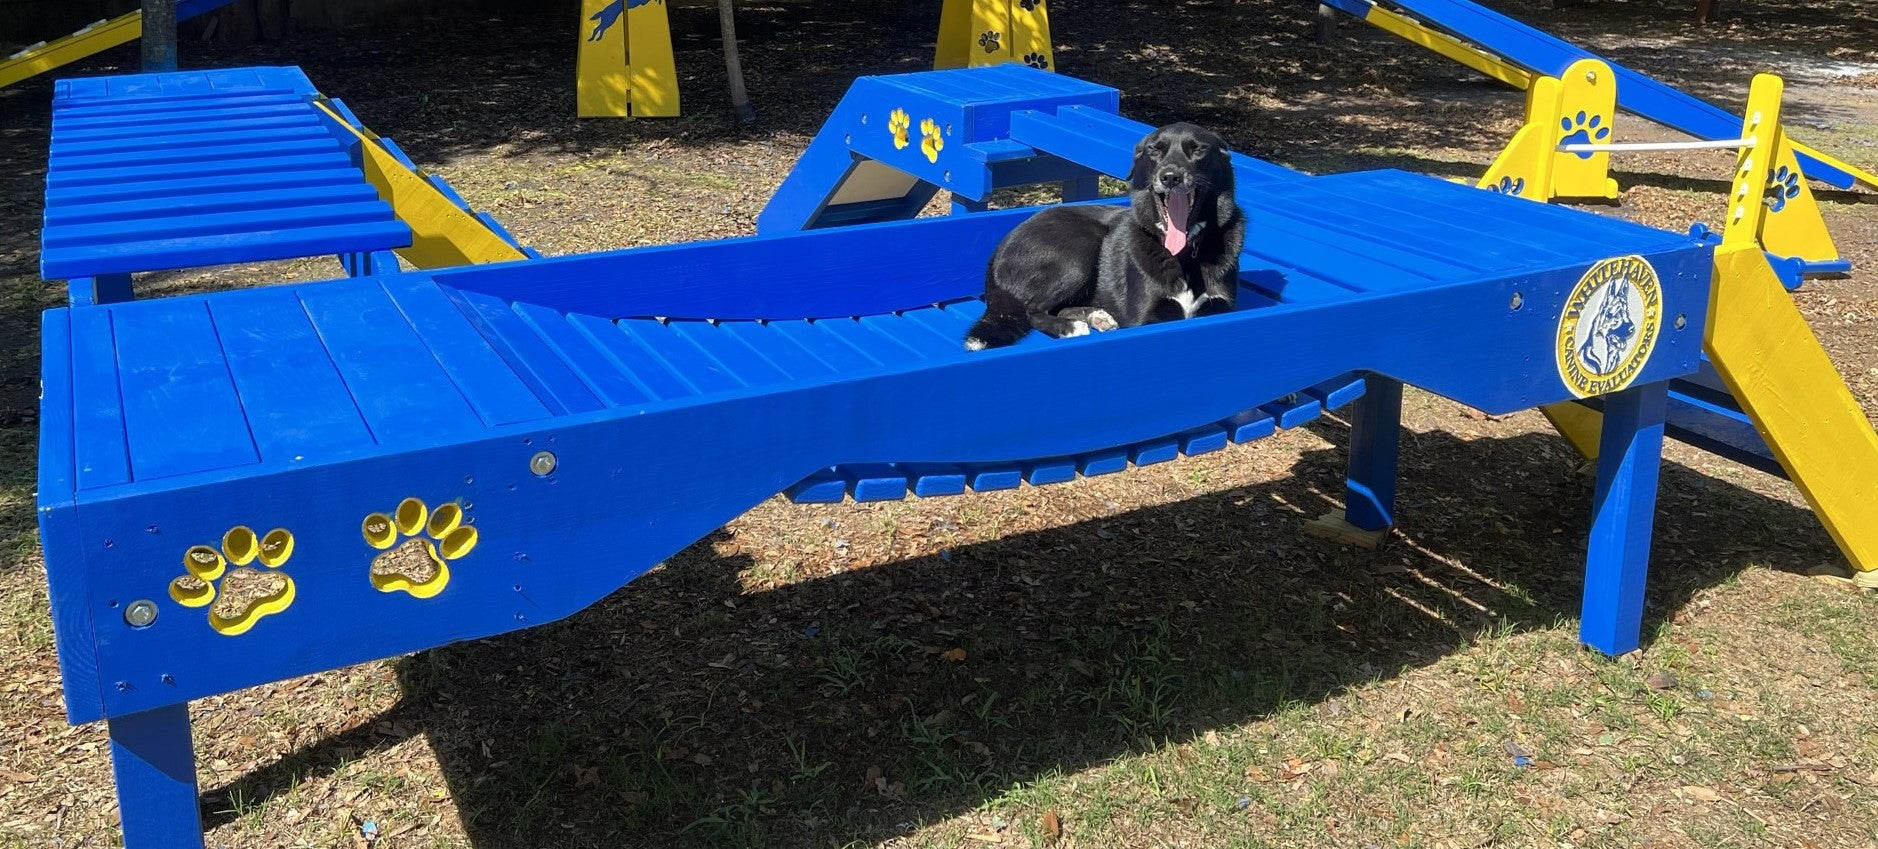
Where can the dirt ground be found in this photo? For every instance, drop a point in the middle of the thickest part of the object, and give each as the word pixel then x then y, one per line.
pixel 1159 658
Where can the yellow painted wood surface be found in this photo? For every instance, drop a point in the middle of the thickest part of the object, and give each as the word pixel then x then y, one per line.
pixel 990 33
pixel 1580 425
pixel 1030 34
pixel 441 234
pixel 601 88
pixel 71 48
pixel 955 38
pixel 1793 225
pixel 1524 167
pixel 1785 382
pixel 1588 101
pixel 654 79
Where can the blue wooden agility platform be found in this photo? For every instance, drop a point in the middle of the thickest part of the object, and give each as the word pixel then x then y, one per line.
pixel 313 475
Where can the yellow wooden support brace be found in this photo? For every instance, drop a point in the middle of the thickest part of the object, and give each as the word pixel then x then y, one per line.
pixel 441 234
pixel 1785 382
pixel 988 32
pixel 99 36
pixel 1579 107
pixel 1780 213
pixel 625 63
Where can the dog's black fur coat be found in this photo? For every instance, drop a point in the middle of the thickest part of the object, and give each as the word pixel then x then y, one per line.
pixel 1068 262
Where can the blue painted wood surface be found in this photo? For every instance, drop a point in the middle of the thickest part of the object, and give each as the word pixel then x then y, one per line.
pixel 1630 450
pixel 1375 440
pixel 156 171
pixel 674 387
pixel 154 764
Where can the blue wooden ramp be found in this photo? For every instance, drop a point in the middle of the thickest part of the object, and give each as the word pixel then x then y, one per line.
pixel 307 476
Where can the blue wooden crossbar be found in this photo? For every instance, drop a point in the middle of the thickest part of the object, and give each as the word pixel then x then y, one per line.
pixel 499 424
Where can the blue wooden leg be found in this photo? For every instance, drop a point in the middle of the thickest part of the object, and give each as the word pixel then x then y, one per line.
pixel 1630 451
pixel 1082 188
pixel 102 289
pixel 962 204
pixel 155 767
pixel 1375 441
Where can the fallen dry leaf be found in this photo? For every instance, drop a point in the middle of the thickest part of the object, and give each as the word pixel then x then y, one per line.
pixel 953 654
pixel 1052 827
pixel 1702 794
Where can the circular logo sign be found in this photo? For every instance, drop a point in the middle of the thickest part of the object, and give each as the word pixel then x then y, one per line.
pixel 1610 326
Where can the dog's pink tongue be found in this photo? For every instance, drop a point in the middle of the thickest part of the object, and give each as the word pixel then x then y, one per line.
pixel 1174 220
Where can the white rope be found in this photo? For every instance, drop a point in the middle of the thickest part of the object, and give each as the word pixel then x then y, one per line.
pixel 1626 147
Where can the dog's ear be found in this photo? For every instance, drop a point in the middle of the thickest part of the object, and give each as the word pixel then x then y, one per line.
pixel 1142 169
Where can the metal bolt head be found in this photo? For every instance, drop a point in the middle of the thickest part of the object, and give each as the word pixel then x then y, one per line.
pixel 542 464
pixel 1591 76
pixel 140 613
pixel 1518 301
pixel 1682 321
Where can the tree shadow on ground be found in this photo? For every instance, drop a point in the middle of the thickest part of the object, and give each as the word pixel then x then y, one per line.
pixel 683 709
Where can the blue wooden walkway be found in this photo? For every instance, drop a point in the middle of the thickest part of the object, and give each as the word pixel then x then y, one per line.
pixel 182 170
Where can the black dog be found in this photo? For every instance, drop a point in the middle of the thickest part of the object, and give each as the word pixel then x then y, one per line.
pixel 1171 254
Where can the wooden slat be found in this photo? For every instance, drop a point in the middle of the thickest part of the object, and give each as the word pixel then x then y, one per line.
pixel 403 393
pixel 525 351
pixel 736 358
pixel 582 358
pixel 485 379
pixel 650 372
pixel 181 411
pixel 297 405
pixel 680 357
pixel 98 435
pixel 779 350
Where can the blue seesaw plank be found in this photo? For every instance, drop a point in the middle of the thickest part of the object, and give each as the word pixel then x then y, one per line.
pixel 826 486
pixel 296 404
pixel 1294 410
pixel 179 115
pixel 875 481
pixel 246 165
pixel 181 410
pixel 1050 470
pixel 1204 439
pixel 393 378
pixel 1104 462
pixel 1154 451
pixel 487 382
pixel 1248 426
pixel 935 479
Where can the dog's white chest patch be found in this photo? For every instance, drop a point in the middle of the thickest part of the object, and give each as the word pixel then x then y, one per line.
pixel 1189 301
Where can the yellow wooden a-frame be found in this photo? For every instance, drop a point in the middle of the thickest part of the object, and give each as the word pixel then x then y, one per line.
pixel 625 65
pixel 988 32
pixel 1578 106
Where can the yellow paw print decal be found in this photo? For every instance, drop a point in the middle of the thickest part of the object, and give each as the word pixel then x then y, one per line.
pixel 236 593
pixel 418 544
pixel 930 143
pixel 897 123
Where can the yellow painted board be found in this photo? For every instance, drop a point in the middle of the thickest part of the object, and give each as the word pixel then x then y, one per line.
pixel 1030 34
pixel 990 34
pixel 1580 425
pixel 1587 114
pixel 1449 46
pixel 1785 382
pixel 654 86
pixel 601 87
pixel 1793 225
pixel 1741 224
pixel 441 234
pixel 955 35
pixel 78 45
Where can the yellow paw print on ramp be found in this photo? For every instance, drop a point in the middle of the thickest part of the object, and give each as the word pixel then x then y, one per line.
pixel 898 122
pixel 236 593
pixel 417 545
pixel 930 142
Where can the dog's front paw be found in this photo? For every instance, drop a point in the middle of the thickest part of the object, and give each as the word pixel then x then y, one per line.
pixel 1101 320
pixel 1077 328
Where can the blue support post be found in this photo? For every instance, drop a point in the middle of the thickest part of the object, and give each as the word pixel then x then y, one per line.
pixel 962 205
pixel 159 36
pixel 100 289
pixel 155 767
pixel 1630 452
pixel 1375 440
pixel 1082 188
